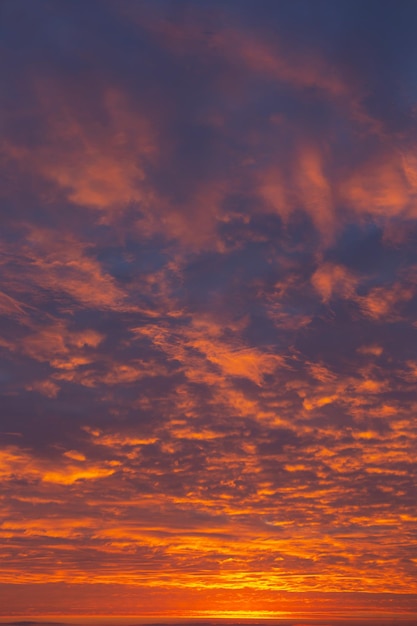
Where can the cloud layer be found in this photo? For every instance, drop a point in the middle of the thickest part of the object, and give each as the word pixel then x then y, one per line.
pixel 208 307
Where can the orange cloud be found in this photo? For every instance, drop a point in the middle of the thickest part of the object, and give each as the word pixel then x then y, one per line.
pixel 102 170
pixel 384 187
pixel 20 464
pixel 330 279
pixel 383 302
pixel 307 187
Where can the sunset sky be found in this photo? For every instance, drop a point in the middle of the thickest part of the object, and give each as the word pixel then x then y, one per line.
pixel 208 308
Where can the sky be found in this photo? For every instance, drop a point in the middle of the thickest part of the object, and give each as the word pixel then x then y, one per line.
pixel 208 308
